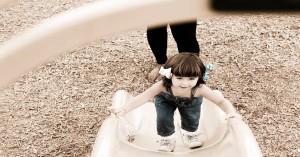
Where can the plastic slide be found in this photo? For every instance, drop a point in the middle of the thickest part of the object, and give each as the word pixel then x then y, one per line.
pixel 3 3
pixel 134 135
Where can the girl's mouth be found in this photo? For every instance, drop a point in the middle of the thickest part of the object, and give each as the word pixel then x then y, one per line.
pixel 184 87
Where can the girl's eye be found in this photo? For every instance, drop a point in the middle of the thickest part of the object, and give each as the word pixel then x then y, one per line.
pixel 179 78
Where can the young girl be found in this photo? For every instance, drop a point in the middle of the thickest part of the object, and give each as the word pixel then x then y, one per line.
pixel 182 88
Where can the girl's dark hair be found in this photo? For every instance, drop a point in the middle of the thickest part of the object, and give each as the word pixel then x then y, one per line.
pixel 185 65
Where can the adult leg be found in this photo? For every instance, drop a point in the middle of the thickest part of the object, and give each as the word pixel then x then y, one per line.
pixel 185 36
pixel 157 39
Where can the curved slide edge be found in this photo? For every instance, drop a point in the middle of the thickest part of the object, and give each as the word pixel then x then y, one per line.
pixel 246 144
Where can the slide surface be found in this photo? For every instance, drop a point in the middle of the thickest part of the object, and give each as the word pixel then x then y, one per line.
pixel 135 134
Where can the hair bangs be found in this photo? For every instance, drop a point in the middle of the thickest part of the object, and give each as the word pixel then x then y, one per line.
pixel 187 68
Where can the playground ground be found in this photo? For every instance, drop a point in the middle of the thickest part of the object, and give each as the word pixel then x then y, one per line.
pixel 57 108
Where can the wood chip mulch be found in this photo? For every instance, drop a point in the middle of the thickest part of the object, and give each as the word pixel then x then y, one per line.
pixel 57 108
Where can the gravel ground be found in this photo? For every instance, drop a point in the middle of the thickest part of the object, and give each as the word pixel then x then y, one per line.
pixel 57 108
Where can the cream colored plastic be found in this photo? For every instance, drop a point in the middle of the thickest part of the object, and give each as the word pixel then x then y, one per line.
pixel 221 138
pixel 89 23
pixel 3 3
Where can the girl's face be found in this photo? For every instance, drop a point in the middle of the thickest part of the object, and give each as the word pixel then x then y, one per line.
pixel 184 83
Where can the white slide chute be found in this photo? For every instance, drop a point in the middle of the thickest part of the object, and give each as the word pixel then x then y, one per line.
pixel 135 134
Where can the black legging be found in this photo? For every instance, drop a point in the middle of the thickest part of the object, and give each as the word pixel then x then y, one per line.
pixel 184 35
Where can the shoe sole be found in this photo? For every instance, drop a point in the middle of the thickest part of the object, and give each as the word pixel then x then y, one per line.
pixel 196 147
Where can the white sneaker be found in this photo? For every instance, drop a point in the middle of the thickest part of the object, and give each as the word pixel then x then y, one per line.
pixel 191 139
pixel 167 144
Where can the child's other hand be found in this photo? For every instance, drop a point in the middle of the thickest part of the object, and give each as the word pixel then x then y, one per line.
pixel 119 112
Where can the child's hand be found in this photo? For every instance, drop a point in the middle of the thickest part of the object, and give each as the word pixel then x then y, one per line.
pixel 117 111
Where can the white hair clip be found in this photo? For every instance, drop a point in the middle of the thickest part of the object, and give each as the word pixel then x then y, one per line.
pixel 165 72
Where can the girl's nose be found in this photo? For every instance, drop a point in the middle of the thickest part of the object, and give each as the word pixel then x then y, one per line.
pixel 185 83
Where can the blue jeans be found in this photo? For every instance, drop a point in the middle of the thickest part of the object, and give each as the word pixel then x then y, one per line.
pixel 189 109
